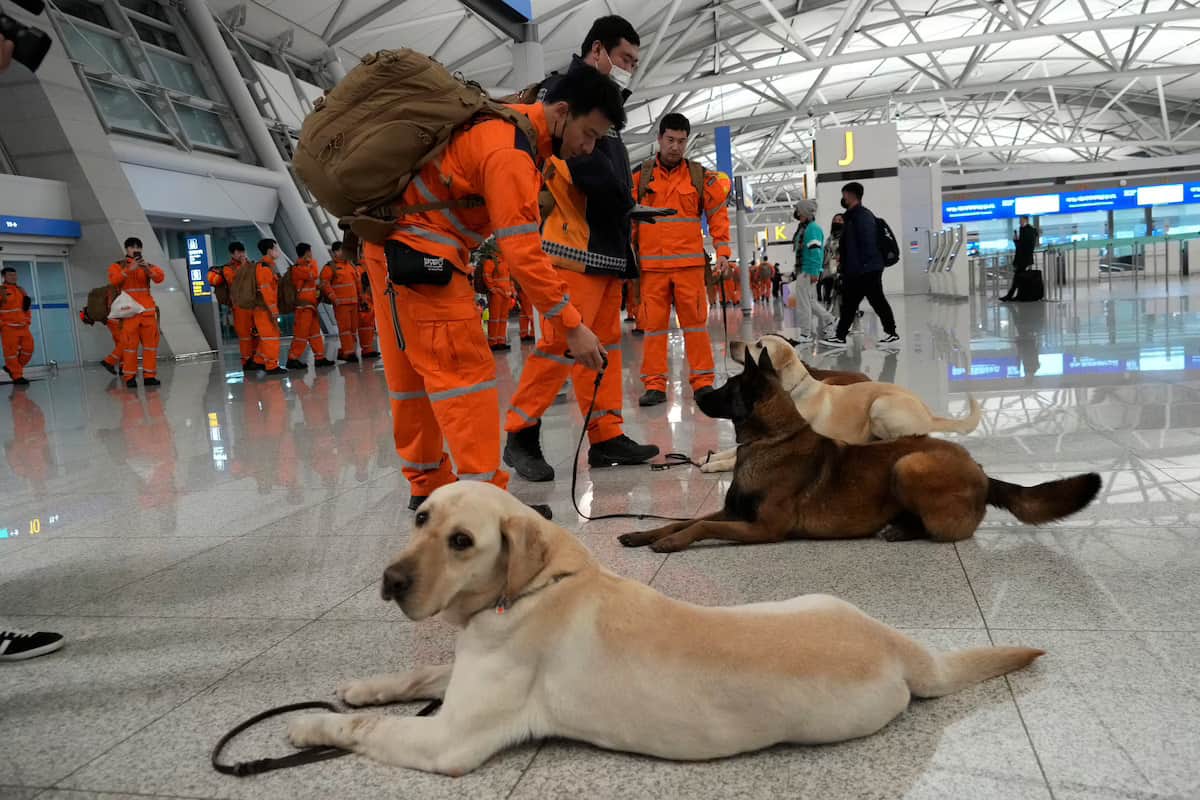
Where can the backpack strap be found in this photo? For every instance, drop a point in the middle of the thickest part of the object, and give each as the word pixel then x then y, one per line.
pixel 697 172
pixel 645 173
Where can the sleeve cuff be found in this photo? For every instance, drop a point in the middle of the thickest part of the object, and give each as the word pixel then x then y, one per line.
pixel 723 250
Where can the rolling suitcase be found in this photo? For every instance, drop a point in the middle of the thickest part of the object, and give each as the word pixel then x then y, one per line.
pixel 1029 286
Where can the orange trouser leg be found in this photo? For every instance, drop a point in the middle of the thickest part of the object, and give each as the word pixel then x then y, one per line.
pixel 366 330
pixel 143 330
pixel 243 324
pixel 346 315
pixel 18 349
pixel 441 380
pixel 306 332
pixel 268 337
pixel 114 328
pixel 691 307
pixel 498 310
pixel 655 318
pixel 526 314
pixel 599 302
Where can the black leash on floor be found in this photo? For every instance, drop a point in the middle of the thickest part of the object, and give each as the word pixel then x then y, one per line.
pixel 307 755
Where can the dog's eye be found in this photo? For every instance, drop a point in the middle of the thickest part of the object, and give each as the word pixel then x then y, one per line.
pixel 422 518
pixel 461 541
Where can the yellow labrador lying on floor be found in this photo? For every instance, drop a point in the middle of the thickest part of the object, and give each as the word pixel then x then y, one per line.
pixel 553 644
pixel 854 413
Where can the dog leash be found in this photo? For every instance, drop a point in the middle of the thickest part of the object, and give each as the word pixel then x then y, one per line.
pixel 307 755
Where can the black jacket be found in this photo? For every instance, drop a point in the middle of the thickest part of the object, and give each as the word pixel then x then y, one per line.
pixel 859 245
pixel 605 178
pixel 1026 243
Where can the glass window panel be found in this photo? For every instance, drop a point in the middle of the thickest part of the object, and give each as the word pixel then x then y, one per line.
pixel 1064 228
pixel 1183 218
pixel 84 10
pixel 177 74
pixel 1129 223
pixel 203 127
pixel 148 7
pixel 122 109
pixel 55 318
pixel 96 51
pixel 152 35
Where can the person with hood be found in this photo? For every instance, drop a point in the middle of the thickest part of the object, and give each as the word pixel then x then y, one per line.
pixel 811 317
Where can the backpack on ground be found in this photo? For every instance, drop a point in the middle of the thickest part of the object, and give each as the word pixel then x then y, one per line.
pixel 244 292
pixel 889 248
pixel 288 296
pixel 99 301
pixel 389 117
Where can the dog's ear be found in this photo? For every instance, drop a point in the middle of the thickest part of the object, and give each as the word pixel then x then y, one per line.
pixel 764 361
pixel 526 549
pixel 738 351
pixel 751 366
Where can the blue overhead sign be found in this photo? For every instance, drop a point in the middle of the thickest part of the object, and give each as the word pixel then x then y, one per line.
pixel 522 7
pixel 1066 203
pixel 37 226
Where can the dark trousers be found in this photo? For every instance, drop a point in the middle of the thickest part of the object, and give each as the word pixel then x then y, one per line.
pixel 856 288
pixel 1017 270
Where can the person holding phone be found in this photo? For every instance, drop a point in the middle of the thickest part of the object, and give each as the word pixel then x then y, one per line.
pixel 133 275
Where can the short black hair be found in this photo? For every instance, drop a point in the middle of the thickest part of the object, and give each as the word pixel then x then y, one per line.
pixel 266 245
pixel 585 91
pixel 855 188
pixel 674 122
pixel 303 249
pixel 8 269
pixel 609 31
pixel 133 241
pixel 335 245
pixel 236 247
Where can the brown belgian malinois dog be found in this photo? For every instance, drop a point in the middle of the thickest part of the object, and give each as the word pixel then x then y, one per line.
pixel 792 483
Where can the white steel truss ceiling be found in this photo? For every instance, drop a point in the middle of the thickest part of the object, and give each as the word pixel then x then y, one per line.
pixel 975 85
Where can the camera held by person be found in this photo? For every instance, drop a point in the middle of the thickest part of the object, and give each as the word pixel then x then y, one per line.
pixel 24 44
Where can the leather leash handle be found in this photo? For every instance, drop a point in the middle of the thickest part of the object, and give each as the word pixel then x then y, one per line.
pixel 308 755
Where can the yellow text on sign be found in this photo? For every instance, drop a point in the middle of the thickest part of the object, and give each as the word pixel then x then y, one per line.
pixel 781 233
pixel 849 159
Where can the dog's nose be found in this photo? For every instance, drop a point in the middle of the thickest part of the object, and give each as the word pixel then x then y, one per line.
pixel 396 583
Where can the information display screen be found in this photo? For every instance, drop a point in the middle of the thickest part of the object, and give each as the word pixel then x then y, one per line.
pixel 1091 200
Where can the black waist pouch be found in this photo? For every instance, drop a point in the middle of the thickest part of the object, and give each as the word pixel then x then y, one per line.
pixel 408 267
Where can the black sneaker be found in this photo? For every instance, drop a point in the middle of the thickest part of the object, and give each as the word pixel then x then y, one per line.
pixel 833 341
pixel 276 371
pixel 252 366
pixel 415 501
pixel 528 338
pixel 523 452
pixel 891 338
pixel 20 645
pixel 324 362
pixel 21 381
pixel 350 359
pixel 542 509
pixel 638 332
pixel 703 390
pixel 295 363
pixel 112 368
pixel 652 397
pixel 372 354
pixel 151 382
pixel 500 348
pixel 620 451
pixel 6 369
pixel 131 383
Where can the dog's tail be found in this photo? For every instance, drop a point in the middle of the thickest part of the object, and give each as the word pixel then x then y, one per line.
pixel 1045 502
pixel 938 674
pixel 961 425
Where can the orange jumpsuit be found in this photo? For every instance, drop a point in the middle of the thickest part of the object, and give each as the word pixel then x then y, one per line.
pixel 526 308
pixel 149 448
pixel 128 276
pixel 266 317
pixel 29 451
pixel 243 318
pixel 113 359
pixel 733 284
pixel 339 280
pixel 673 263
pixel 500 291
pixel 441 375
pixel 307 330
pixel 319 445
pixel 366 313
pixel 15 338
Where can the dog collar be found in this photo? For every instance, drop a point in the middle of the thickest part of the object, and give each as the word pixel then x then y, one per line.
pixel 504 603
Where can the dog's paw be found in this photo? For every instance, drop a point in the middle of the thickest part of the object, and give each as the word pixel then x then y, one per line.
pixel 313 730
pixel 632 539
pixel 361 693
pixel 669 544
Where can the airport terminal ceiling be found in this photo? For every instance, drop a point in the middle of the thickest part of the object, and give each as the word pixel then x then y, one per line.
pixel 971 84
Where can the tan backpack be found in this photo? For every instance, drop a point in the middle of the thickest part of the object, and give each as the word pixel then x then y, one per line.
pixel 99 301
pixel 696 170
pixel 221 290
pixel 288 296
pixel 244 292
pixel 391 115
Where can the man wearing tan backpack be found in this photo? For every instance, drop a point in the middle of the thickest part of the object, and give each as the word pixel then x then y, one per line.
pixel 222 279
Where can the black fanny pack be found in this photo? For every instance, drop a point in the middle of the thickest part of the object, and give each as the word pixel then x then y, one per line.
pixel 408 267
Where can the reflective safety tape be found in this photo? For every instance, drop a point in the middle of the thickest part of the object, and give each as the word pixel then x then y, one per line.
pixel 476 476
pixel 677 219
pixel 437 238
pixel 516 230
pixel 673 257
pixel 448 213
pixel 450 394
pixel 695 330
pixel 429 467
pixel 522 414
pixel 703 372
pixel 407 395
pixel 644 375
pixel 558 309
pixel 552 357
pixel 655 333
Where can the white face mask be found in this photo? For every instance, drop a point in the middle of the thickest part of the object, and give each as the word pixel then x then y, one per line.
pixel 620 76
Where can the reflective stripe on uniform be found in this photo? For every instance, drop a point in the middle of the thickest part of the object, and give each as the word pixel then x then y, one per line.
pixel 656 333
pixel 476 476
pixel 517 230
pixel 406 395
pixel 448 213
pixel 558 308
pixel 673 257
pixel 552 357
pixel 678 219
pixel 522 414
pixel 695 330
pixel 703 372
pixel 436 238
pixel 449 394
pixel 405 464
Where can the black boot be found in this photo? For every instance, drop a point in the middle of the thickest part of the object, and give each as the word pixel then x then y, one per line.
pixel 295 363
pixel 620 451
pixel 324 362
pixel 523 452
pixel 652 397
pixel 415 501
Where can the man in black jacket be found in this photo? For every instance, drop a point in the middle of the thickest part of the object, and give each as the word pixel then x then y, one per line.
pixel 589 242
pixel 861 268
pixel 1026 241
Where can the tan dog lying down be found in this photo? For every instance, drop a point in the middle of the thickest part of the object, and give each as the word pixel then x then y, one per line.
pixel 855 413
pixel 553 644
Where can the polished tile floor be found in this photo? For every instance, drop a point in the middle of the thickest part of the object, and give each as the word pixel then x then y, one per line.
pixel 212 548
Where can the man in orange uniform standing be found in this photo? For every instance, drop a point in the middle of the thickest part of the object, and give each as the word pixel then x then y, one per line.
pixel 15 319
pixel 366 311
pixel 266 311
pixel 243 318
pixel 440 374
pixel 499 283
pixel 307 329
pixel 340 282
pixel 733 284
pixel 673 260
pixel 134 276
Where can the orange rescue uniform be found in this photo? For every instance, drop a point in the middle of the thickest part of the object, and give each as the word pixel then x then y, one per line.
pixel 526 311
pixel 266 313
pixel 341 285
pixel 307 329
pixel 15 338
pixel 243 318
pixel 441 375
pixel 366 312
pixel 113 359
pixel 733 284
pixel 673 268
pixel 500 291
pixel 129 276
